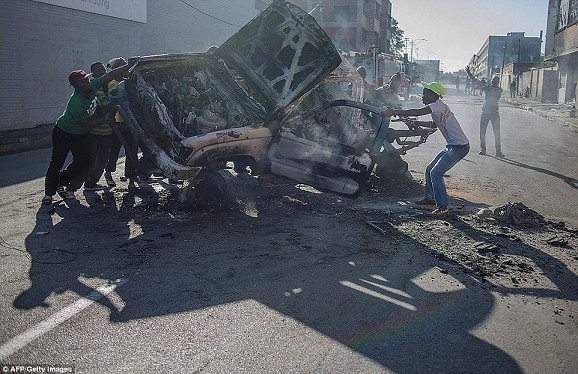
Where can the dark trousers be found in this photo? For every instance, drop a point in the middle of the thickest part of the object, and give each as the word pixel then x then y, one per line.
pixel 484 120
pixel 100 148
pixel 62 143
pixel 116 145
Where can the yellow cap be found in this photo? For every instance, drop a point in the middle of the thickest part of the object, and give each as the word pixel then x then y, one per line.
pixel 434 87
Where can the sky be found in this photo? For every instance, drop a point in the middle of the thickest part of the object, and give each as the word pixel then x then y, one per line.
pixel 455 30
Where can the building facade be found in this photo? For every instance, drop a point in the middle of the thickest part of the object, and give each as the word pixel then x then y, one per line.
pixel 43 40
pixel 427 70
pixel 499 51
pixel 562 46
pixel 353 25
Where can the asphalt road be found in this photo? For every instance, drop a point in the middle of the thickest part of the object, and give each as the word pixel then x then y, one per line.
pixel 540 168
pixel 297 282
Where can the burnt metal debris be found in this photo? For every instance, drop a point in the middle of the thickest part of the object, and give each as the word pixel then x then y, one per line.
pixel 195 113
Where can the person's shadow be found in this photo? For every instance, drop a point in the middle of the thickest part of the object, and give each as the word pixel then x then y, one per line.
pixel 351 289
pixel 64 255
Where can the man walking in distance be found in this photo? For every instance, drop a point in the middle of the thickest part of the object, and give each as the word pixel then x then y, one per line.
pixel 70 133
pixel 492 94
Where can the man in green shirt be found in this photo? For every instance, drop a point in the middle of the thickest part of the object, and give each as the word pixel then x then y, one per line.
pixel 70 133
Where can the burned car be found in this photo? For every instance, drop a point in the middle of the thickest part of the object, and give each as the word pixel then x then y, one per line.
pixel 271 99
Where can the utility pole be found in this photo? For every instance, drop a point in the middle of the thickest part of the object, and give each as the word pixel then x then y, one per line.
pixel 503 63
pixel 518 68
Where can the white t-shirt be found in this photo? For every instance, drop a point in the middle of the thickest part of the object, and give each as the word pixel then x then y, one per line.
pixel 447 123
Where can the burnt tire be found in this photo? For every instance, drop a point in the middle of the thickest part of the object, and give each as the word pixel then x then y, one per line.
pixel 212 188
pixel 390 166
pixel 209 188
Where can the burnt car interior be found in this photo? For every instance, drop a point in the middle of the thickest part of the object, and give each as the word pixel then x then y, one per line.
pixel 270 98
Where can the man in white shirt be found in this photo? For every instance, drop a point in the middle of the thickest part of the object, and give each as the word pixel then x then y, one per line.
pixel 457 144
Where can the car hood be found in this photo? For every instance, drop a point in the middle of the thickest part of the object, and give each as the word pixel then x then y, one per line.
pixel 282 53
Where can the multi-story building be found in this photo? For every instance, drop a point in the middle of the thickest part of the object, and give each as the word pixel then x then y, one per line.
pixel 353 25
pixel 562 46
pixel 499 51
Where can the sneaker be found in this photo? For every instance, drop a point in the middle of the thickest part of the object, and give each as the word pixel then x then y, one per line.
pixel 439 213
pixel 482 152
pixel 61 191
pixel 94 187
pixel 69 195
pixel 47 200
pixel 109 180
pixel 426 201
pixel 500 155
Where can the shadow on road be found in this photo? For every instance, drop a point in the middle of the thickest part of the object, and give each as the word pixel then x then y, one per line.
pixel 356 287
pixel 568 180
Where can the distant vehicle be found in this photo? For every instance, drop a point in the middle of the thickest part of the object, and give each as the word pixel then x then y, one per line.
pixel 268 101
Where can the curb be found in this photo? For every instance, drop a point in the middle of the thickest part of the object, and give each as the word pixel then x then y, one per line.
pixel 23 146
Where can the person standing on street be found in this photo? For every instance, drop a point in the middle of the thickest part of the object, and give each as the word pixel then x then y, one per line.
pixel 70 134
pixel 100 136
pixel 492 94
pixel 457 144
pixel 126 137
pixel 513 88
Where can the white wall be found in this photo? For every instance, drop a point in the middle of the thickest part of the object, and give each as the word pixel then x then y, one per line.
pixel 41 43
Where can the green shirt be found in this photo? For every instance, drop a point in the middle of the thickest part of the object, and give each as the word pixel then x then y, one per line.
pixel 102 99
pixel 78 109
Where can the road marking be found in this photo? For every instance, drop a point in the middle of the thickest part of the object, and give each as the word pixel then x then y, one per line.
pixel 378 295
pixel 22 340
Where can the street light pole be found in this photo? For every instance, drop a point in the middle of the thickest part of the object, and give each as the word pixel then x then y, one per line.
pixel 503 63
pixel 413 41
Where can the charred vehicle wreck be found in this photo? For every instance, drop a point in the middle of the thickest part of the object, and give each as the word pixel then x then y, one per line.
pixel 275 98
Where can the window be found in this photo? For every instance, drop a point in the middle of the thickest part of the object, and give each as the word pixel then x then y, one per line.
pixel 378 11
pixel 366 7
pixel 573 12
pixel 563 14
pixel 341 13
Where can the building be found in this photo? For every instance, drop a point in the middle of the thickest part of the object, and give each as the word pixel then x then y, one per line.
pixel 43 40
pixel 562 46
pixel 353 25
pixel 499 51
pixel 426 70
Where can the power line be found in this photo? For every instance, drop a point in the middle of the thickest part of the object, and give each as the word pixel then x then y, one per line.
pixel 208 15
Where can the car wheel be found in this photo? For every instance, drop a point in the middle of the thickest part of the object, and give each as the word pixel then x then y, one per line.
pixel 210 188
pixel 390 165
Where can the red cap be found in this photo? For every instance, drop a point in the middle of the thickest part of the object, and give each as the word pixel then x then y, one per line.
pixel 77 75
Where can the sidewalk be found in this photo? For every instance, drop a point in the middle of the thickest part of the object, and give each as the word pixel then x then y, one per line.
pixel 14 141
pixel 559 113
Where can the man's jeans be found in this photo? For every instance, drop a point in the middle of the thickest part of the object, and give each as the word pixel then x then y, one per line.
pixel 495 118
pixel 435 187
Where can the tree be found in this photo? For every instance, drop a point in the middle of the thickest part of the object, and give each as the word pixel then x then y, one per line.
pixel 397 43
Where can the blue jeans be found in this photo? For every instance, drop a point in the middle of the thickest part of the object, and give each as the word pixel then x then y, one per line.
pixel 435 187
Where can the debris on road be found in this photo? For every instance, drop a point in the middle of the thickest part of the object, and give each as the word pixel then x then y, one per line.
pixel 559 242
pixel 519 215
